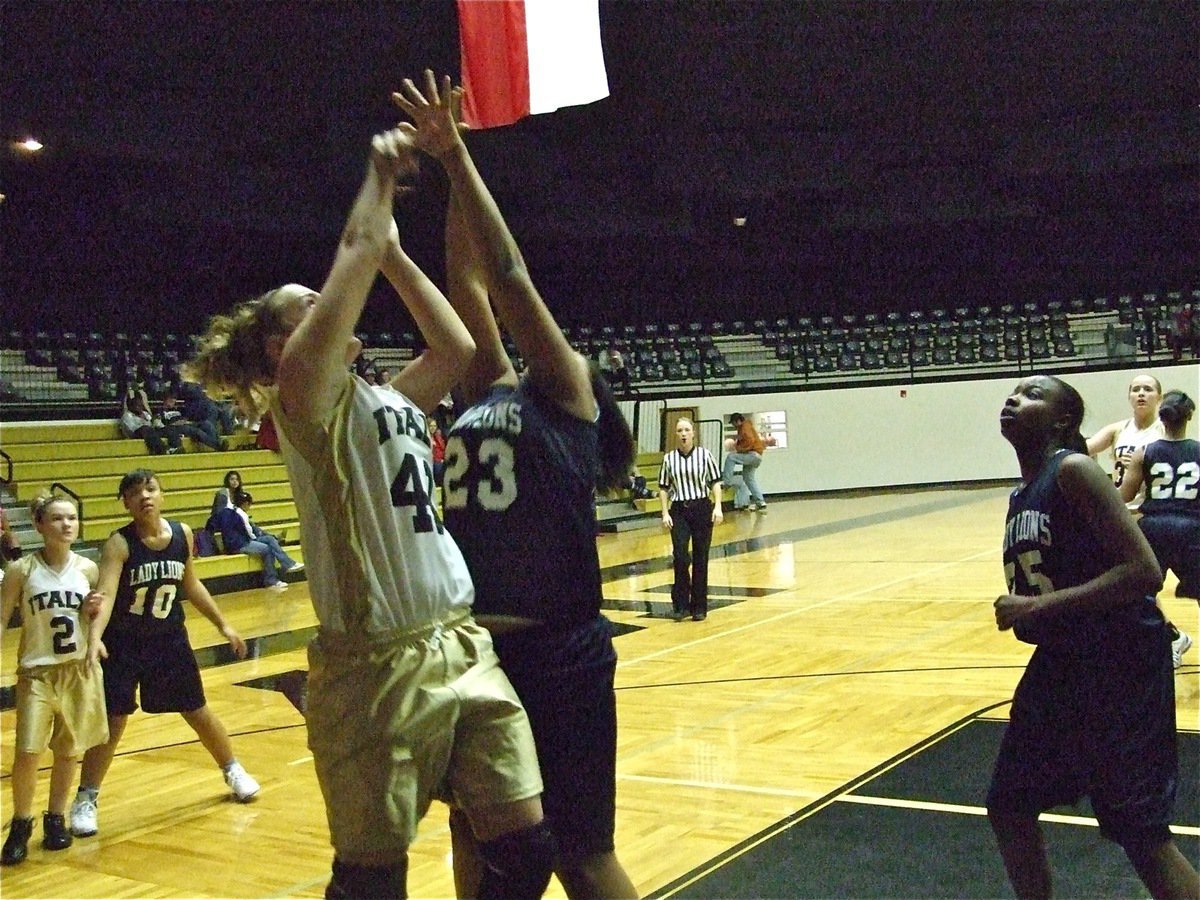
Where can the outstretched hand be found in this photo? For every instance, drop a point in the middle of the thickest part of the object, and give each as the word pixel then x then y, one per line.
pixel 435 128
pixel 392 154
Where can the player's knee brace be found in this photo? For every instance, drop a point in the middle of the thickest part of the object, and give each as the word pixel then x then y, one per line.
pixel 518 864
pixel 351 882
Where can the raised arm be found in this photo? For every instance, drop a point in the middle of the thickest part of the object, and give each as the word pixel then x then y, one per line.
pixel 468 294
pixel 312 364
pixel 554 366
pixel 428 378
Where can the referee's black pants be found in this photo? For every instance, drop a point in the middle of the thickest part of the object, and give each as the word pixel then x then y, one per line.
pixel 691 522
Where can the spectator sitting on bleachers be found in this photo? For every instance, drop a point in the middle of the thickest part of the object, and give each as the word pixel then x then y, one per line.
pixel 225 498
pixel 199 407
pixel 205 432
pixel 612 364
pixel 239 534
pixel 136 421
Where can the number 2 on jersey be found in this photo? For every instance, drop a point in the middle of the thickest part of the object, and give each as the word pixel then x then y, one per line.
pixel 64 635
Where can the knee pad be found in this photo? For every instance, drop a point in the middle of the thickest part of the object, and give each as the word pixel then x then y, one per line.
pixel 352 882
pixel 518 864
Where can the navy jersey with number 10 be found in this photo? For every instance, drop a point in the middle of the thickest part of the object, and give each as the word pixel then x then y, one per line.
pixel 150 592
pixel 518 494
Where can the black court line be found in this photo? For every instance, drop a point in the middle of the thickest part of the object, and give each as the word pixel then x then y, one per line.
pixel 887 844
pixel 719 597
pixel 256 647
pixel 762 542
pixel 137 751
pixel 721 590
pixel 279 642
pixel 799 676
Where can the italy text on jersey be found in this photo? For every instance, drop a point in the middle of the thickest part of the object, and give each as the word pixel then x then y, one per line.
pixel 413 485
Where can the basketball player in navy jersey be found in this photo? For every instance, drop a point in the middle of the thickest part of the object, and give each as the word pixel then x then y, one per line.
pixel 1170 470
pixel 146 573
pixel 1094 713
pixel 406 698
pixel 523 463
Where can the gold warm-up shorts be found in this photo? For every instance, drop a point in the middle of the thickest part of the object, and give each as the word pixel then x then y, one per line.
pixel 398 720
pixel 61 707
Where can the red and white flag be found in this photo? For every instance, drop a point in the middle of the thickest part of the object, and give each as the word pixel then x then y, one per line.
pixel 521 57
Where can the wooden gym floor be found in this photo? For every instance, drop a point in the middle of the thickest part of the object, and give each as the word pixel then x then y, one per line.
pixel 844 631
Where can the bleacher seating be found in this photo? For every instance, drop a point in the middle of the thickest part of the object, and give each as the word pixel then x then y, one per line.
pixel 89 459
pixel 90 370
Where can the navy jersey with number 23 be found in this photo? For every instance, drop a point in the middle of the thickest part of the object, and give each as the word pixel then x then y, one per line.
pixel 518 497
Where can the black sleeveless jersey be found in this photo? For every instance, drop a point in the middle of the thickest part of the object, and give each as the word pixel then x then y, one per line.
pixel 1172 475
pixel 519 498
pixel 1047 547
pixel 150 594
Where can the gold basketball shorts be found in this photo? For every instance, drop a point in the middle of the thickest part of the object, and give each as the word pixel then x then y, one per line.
pixel 398 720
pixel 61 707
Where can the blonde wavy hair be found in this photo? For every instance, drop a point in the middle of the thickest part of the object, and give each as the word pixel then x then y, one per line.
pixel 231 356
pixel 39 504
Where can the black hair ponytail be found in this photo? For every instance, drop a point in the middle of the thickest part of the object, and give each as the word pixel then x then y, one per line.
pixel 615 439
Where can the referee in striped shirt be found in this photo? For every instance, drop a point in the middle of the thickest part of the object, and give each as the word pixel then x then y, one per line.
pixel 689 485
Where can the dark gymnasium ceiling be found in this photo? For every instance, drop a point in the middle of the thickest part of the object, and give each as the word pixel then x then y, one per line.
pixel 883 155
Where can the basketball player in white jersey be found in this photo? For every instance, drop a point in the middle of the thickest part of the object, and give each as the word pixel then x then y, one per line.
pixel 406 699
pixel 60 689
pixel 1128 435
pixel 1126 438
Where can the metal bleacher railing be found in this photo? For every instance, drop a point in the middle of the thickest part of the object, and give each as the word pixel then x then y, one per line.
pixel 64 375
